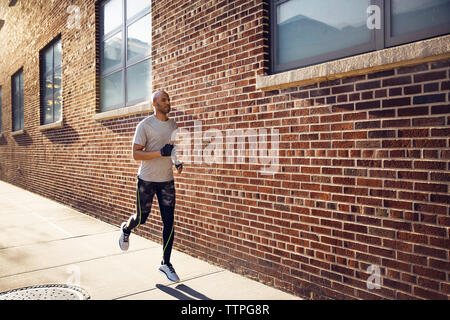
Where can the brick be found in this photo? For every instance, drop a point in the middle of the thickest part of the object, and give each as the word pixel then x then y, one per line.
pixel 431 87
pixel 415 111
pixel 432 165
pixel 397 81
pixel 367 124
pixel 411 133
pixel 368 85
pixel 429 76
pixel 381 74
pixel 430 98
pixel 421 207
pixel 382 114
pixel 343 89
pixel 433 187
pixel 427 251
pixel 398 123
pixel 430 230
pixel 396 102
pixel 367 105
pixel 415 89
pixel 411 69
pixel 440 64
pixel 381 134
pixel 428 122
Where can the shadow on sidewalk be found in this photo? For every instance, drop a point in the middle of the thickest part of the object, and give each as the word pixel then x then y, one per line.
pixel 179 293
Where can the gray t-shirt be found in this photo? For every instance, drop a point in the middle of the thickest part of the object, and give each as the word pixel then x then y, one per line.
pixel 154 134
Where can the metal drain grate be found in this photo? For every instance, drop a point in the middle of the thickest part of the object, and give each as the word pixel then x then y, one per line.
pixel 46 292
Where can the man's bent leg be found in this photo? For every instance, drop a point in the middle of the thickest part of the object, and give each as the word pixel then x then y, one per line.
pixel 144 198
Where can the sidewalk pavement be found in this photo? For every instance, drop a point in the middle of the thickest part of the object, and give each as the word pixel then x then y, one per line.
pixel 44 242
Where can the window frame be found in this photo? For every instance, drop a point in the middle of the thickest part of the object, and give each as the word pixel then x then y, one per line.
pixel 125 64
pixel 19 74
pixel 412 36
pixel 380 39
pixel 42 77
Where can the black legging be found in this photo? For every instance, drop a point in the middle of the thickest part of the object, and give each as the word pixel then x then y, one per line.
pixel 165 192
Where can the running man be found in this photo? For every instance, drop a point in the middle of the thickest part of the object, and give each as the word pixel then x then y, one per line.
pixel 153 146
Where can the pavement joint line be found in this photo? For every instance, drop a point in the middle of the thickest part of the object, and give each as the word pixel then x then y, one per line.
pixel 170 284
pixel 54 240
pixel 62 219
pixel 76 262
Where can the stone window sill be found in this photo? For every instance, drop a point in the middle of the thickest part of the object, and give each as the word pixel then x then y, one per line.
pixel 17 133
pixel 122 112
pixel 405 55
pixel 54 125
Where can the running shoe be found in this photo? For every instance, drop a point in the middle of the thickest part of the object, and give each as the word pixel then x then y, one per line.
pixel 169 272
pixel 124 240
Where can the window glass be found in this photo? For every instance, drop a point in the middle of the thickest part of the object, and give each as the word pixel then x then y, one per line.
pixel 17 101
pixel 138 81
pixel 112 91
pixel 58 54
pixel 112 51
pixel 112 14
pixel 307 28
pixel 139 37
pixel 136 6
pixel 48 86
pixel 413 15
pixel 48 60
pixel 48 110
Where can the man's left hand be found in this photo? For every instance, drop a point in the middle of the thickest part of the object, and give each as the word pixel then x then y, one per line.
pixel 179 168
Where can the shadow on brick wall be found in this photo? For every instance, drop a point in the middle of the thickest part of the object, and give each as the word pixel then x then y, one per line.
pixel 64 135
pixel 23 139
pixel 3 141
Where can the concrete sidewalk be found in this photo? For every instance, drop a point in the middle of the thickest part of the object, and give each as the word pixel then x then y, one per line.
pixel 44 242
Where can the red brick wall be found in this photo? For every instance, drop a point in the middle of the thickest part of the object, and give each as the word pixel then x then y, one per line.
pixel 364 161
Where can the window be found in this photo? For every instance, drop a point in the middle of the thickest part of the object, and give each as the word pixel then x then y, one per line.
pixel 307 32
pixel 17 101
pixel 51 82
pixel 125 53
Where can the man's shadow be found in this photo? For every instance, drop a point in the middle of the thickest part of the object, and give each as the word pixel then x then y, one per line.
pixel 180 294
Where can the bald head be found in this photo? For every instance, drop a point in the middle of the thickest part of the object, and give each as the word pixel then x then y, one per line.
pixel 158 94
pixel 161 103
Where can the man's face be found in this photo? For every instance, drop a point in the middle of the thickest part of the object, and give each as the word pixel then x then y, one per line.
pixel 162 103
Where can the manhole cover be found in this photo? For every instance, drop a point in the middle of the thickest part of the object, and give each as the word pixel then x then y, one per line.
pixel 46 292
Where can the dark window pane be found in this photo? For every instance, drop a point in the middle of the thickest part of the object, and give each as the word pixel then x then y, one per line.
pixel 48 60
pixel 307 28
pixel 48 110
pixel 413 15
pixel 48 85
pixel 17 101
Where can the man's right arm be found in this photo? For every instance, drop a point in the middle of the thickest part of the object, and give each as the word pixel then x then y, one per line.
pixel 140 154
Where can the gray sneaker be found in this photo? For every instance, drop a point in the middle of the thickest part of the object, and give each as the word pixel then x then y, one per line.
pixel 124 240
pixel 169 272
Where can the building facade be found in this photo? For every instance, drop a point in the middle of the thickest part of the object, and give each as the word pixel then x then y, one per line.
pixel 315 136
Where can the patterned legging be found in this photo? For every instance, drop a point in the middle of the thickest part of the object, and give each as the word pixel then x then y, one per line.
pixel 165 192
